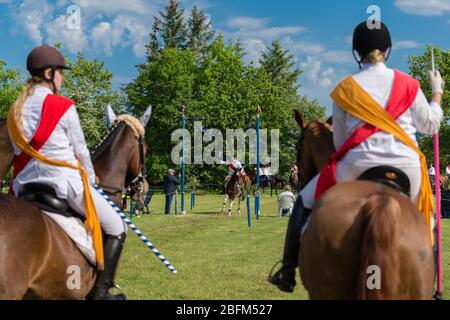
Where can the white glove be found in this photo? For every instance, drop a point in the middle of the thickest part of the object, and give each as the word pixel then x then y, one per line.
pixel 436 82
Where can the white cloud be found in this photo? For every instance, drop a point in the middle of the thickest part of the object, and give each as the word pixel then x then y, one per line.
pixel 424 7
pixel 246 23
pixel 327 77
pixel 405 44
pixel 302 46
pixel 31 15
pixel 122 31
pixel 140 7
pixel 312 68
pixel 338 56
pixel 101 31
pixel 57 32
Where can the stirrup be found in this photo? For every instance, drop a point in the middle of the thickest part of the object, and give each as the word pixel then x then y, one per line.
pixel 277 280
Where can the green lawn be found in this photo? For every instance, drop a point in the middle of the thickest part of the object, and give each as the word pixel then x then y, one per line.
pixel 217 257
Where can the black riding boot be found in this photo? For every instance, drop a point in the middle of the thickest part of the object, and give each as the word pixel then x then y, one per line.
pixel 285 277
pixel 105 278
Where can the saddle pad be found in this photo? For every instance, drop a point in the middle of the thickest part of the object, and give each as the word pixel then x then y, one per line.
pixel 76 231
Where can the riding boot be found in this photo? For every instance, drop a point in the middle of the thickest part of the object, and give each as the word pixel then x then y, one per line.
pixel 285 277
pixel 105 278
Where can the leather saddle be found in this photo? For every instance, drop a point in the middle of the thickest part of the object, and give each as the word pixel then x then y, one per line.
pixel 45 198
pixel 388 176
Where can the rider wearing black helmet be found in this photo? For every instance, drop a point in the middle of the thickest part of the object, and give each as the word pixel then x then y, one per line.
pixel 381 84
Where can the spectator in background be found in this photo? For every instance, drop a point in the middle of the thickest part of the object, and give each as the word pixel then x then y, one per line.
pixel 170 186
pixel 286 201
pixel 447 170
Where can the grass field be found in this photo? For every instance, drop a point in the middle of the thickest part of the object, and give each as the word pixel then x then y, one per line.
pixel 217 257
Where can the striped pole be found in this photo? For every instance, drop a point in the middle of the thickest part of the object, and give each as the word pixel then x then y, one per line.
pixel 437 188
pixel 137 231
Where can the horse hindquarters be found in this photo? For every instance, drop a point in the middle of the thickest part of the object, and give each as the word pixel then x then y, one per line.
pixel 36 256
pixel 334 262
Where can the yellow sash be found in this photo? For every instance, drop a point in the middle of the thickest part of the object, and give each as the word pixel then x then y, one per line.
pixel 349 96
pixel 92 223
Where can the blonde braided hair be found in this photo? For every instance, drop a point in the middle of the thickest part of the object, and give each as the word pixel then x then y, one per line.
pixel 27 91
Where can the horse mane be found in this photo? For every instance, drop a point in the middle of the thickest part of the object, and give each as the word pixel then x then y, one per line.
pixel 111 134
pixel 133 123
pixel 116 128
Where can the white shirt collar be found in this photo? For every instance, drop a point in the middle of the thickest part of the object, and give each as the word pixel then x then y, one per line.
pixel 378 65
pixel 42 89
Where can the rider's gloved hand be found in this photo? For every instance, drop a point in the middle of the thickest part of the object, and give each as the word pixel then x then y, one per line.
pixel 436 82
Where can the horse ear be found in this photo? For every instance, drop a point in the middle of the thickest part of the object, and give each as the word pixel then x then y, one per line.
pixel 302 123
pixel 146 116
pixel 110 116
pixel 330 121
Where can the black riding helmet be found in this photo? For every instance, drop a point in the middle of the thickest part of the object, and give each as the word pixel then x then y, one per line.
pixel 42 58
pixel 365 40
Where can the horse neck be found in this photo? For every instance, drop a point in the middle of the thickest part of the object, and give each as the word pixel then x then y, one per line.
pixel 320 146
pixel 112 165
pixel 7 152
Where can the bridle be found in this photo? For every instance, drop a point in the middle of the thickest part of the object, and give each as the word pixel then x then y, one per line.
pixel 135 186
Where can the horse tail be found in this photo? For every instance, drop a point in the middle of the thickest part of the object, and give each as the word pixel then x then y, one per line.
pixel 379 274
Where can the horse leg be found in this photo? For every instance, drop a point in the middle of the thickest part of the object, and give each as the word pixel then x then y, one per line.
pixel 230 209
pixel 239 204
pixel 224 203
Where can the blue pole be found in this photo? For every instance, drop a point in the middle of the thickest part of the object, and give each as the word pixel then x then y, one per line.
pixel 258 160
pixel 249 215
pixel 131 208
pixel 183 124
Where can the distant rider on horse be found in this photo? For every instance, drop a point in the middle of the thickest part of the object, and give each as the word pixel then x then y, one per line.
pixel 375 84
pixel 50 124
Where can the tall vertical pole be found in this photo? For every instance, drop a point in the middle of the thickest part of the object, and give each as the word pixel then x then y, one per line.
pixel 258 162
pixel 437 186
pixel 183 125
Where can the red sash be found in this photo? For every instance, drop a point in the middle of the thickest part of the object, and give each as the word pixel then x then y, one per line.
pixel 53 109
pixel 403 93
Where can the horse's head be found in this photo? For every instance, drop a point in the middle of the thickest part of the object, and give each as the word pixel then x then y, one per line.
pixel 119 159
pixel 314 146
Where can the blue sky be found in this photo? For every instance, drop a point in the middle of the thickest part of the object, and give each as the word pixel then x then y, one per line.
pixel 318 33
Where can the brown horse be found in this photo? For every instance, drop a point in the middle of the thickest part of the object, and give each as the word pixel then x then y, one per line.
pixel 293 179
pixel 6 154
pixel 361 232
pixel 233 190
pixel 313 148
pixel 36 256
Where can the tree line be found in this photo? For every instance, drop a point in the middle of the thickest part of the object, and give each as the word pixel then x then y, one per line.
pixel 188 63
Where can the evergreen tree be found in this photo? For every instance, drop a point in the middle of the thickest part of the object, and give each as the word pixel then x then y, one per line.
pixel 278 63
pixel 153 47
pixel 171 26
pixel 199 33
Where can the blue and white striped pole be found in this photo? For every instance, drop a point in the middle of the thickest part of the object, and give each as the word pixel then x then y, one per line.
pixel 137 231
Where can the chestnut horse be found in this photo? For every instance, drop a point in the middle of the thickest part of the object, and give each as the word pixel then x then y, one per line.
pixel 360 231
pixel 6 152
pixel 36 255
pixel 233 190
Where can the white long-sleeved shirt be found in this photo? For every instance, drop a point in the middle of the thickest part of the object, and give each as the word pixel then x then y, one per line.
pixel 66 143
pixel 383 148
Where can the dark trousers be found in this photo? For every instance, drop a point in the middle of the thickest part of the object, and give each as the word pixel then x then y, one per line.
pixel 169 198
